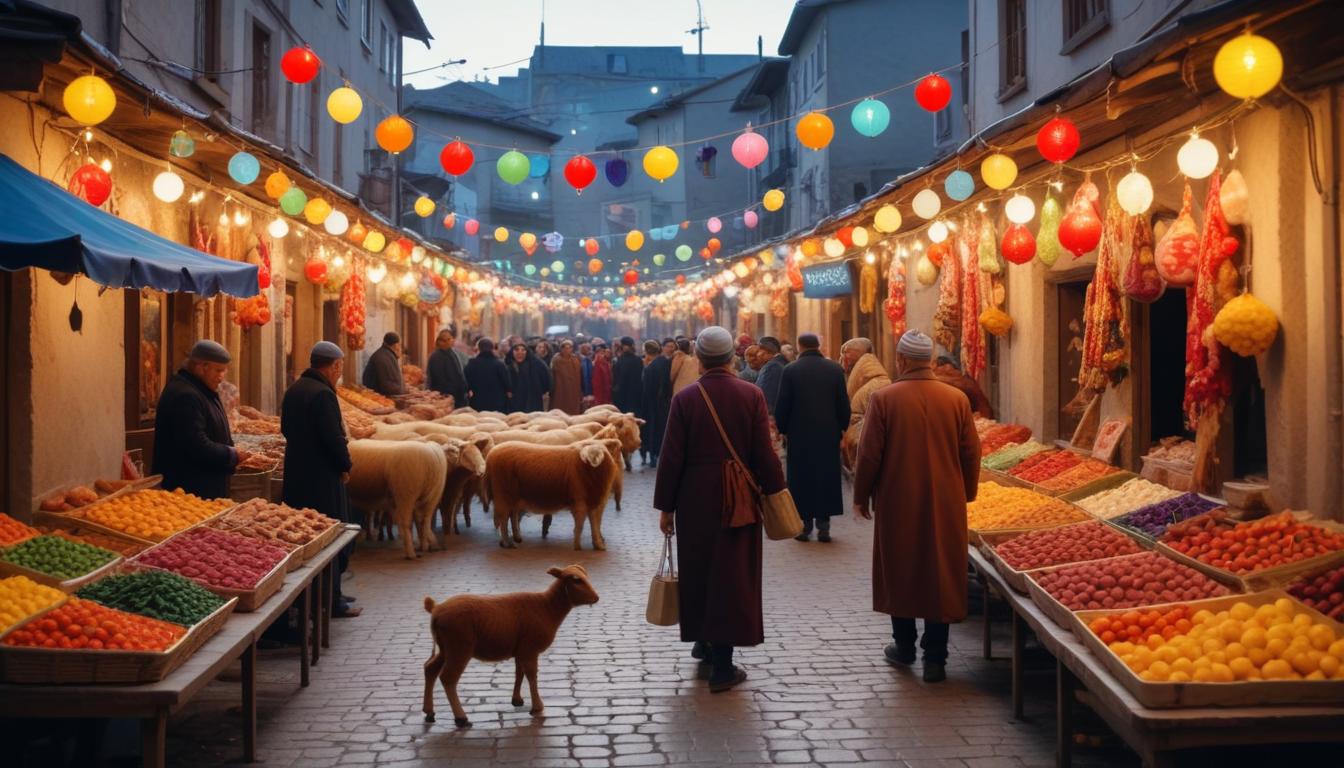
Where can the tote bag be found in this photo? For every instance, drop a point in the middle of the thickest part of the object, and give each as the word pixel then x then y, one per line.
pixel 664 607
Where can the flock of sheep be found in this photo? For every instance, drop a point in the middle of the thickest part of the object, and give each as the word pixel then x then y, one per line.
pixel 520 462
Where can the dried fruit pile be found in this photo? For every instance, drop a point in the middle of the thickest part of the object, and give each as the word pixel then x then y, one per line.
pixel 366 400
pixel 1091 540
pixel 1004 434
pixel 156 594
pixel 1045 465
pixel 57 557
pixel 12 531
pixel 275 524
pixel 21 597
pixel 1251 546
pixel 425 404
pixel 215 558
pixel 154 515
pixel 1133 494
pixel 1127 582
pixel 85 624
pixel 1011 455
pixel 997 507
pixel 1324 592
pixel 358 424
pixel 1079 475
pixel 1152 521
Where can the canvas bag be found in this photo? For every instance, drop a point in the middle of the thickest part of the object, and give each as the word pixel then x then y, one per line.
pixel 743 502
pixel 664 607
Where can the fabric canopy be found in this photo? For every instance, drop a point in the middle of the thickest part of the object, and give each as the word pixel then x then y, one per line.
pixel 49 228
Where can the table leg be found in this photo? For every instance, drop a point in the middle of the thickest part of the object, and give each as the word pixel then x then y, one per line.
pixel 1065 684
pixel 250 702
pixel 328 587
pixel 153 738
pixel 313 601
pixel 986 641
pixel 305 609
pixel 1019 643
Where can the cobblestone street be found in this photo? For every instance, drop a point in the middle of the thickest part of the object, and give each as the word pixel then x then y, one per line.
pixel 619 692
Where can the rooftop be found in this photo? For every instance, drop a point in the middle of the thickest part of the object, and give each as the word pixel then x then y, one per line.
pixel 804 12
pixel 640 62
pixel 677 99
pixel 475 103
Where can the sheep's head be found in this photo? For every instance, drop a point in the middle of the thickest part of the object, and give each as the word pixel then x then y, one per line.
pixel 472 459
pixel 483 441
pixel 574 581
pixel 628 431
pixel 613 448
pixel 452 448
pixel 593 453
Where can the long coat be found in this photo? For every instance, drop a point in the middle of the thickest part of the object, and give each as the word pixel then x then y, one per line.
pixel 601 381
pixel 193 448
pixel 626 384
pixel 315 449
pixel 567 384
pixel 489 382
pixel 685 370
pixel 445 374
pixel 919 463
pixel 769 377
pixel 382 373
pixel 656 400
pixel 529 380
pixel 813 412
pixel 866 377
pixel 720 568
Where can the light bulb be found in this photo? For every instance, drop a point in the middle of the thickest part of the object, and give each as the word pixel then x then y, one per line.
pixel 407 280
pixel 338 262
pixel 278 228
pixel 1197 157
pixel 1019 209
pixel 938 231
pixel 223 219
pixel 106 165
pixel 168 187
pixel 240 218
pixel 870 257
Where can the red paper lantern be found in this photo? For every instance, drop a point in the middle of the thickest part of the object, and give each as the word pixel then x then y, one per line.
pixel 938 252
pixel 714 245
pixel 933 93
pixel 472 226
pixel 300 65
pixel 591 247
pixel 263 278
pixel 1058 140
pixel 846 235
pixel 405 245
pixel 580 172
pixel 1018 245
pixel 456 158
pixel 706 254
pixel 450 221
pixel 681 279
pixel 315 270
pixel 1080 229
pixel 91 184
pixel 631 277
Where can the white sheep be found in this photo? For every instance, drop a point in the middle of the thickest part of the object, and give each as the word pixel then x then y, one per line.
pixel 404 478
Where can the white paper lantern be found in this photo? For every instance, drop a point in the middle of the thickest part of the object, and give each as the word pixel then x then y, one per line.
pixel 168 187
pixel 860 237
pixel 1197 157
pixel 278 228
pixel 336 223
pixel 1134 193
pixel 937 232
pixel 1019 209
pixel 833 247
pixel 376 272
pixel 926 204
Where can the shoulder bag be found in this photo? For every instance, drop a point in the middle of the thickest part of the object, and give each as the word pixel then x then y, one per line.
pixel 664 607
pixel 743 501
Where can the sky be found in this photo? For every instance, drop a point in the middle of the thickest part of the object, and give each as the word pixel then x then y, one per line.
pixel 496 34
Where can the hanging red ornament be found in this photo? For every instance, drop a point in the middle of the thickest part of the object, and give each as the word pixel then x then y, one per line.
pixel 714 245
pixel 580 172
pixel 939 251
pixel 631 277
pixel 456 158
pixel 591 247
pixel 681 279
pixel 315 270
pixel 300 65
pixel 263 277
pixel 450 221
pixel 846 236
pixel 706 254
pixel 1080 229
pixel 91 184
pixel 1058 140
pixel 1018 244
pixel 933 93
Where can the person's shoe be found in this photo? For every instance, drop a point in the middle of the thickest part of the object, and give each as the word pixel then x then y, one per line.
pixel 804 536
pixel 346 611
pixel 824 537
pixel 934 673
pixel 700 650
pixel 898 655
pixel 719 685
pixel 349 598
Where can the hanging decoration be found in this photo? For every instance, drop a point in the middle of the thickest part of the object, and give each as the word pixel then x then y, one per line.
pixel 1018 245
pixel 1246 325
pixel 683 253
pixel 277 184
pixel 449 220
pixel 959 185
pixel 833 247
pixel 617 171
pixel 634 240
pixel 998 171
pixel 168 187
pixel 316 211
pixel 631 277
pixel 472 227
pixel 661 163
pixel 933 93
pixel 336 224
pixel 815 130
pixel 714 224
pixel 540 165
pixel 1135 193
pixel 1047 235
pixel 870 117
pixel 1142 281
pixel 375 242
pixel 867 287
pixel 1235 198
pixel 501 235
pixel 1247 66
pixel 244 167
pixel 887 219
pixel 1080 230
pixel 894 305
pixel 356 233
pixel 750 219
pixel 553 242
pixel 938 232
pixel 1105 357
pixel 995 321
pixel 315 270
pixel 91 184
pixel 773 200
pixel 591 247
pixel 344 105
pixel 1058 140
pixel 181 144
pixel 594 266
pixel 89 99
pixel 278 228
pixel 926 204
pixel 859 237
pixel 1197 158
pixel 528 241
pixel 580 172
pixel 947 313
pixel 750 148
pixel 659 259
pixel 925 272
pixel 300 65
pixel 513 167
pixel 846 236
pixel 353 298
pixel 1178 250
pixel 1019 209
pixel 714 245
pixel 987 250
pixel 293 201
pixel 937 252
pixel 424 206
pixel 975 287
pixel 456 158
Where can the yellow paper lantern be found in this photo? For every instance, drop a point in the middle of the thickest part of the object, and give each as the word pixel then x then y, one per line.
pixel 773 200
pixel 810 247
pixel 344 105
pixel 527 240
pixel 1248 66
pixel 833 247
pixel 89 99
pixel 998 170
pixel 859 237
pixel 661 163
pixel 374 242
pixel 277 184
pixel 424 207
pixel 316 211
pixel 501 235
pixel 815 130
pixel 634 240
pixel 887 219
pixel 394 134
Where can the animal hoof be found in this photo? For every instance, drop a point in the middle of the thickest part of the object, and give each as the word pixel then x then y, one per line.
pixel 600 546
pixel 518 539
pixel 429 717
pixel 462 722
pixel 535 711
pixel 517 701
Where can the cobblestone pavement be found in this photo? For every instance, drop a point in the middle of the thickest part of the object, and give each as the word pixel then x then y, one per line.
pixel 619 692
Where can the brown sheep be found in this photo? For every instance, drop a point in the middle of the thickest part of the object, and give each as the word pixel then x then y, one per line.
pixel 549 478
pixel 521 626
pixel 466 465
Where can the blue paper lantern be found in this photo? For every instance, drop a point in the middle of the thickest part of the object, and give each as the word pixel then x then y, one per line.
pixel 182 145
pixel 870 117
pixel 244 168
pixel 617 171
pixel 959 185
pixel 656 233
pixel 541 165
pixel 670 232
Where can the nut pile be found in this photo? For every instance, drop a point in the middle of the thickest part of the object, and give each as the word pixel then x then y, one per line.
pixel 276 524
pixel 1133 494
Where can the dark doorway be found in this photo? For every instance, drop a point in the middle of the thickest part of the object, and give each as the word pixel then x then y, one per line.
pixel 1166 365
pixel 1072 300
pixel 1251 455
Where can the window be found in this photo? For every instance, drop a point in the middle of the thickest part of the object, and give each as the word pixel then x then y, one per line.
pixel 616 64
pixel 382 44
pixel 263 110
pixel 209 56
pixel 1083 19
pixel 1012 47
pixel 388 61
pixel 366 24
pixel 343 11
pixel 307 107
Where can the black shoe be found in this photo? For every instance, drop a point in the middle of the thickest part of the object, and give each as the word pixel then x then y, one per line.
pixel 824 537
pixel 898 655
pixel 719 685
pixel 934 673
pixel 700 651
pixel 349 598
pixel 804 536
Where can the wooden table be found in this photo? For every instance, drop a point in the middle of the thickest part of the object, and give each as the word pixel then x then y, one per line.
pixel 153 703
pixel 1155 734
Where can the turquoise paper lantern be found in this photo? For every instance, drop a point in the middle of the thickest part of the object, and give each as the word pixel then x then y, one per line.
pixel 540 165
pixel 513 166
pixel 870 117
pixel 182 145
pixel 529 269
pixel 683 252
pixel 293 201
pixel 244 168
pixel 959 185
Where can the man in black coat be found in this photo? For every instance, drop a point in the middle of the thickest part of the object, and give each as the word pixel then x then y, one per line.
pixel 813 413
pixel 626 378
pixel 770 375
pixel 488 379
pixel 317 461
pixel 193 448
pixel 382 373
pixel 657 400
pixel 444 373
pixel 529 380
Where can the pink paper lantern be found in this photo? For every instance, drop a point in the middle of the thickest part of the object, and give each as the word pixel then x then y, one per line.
pixel 714 225
pixel 750 149
pixel 750 219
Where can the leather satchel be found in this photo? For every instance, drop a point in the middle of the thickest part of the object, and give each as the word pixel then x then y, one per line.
pixel 743 502
pixel 664 607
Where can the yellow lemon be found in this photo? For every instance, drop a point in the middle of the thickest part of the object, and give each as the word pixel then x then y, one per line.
pixel 1276 669
pixel 1242 611
pixel 1241 668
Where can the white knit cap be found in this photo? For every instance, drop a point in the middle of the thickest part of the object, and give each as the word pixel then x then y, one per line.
pixel 714 341
pixel 915 345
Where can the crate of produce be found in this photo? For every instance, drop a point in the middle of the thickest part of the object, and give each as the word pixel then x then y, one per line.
pixel 1265 553
pixel 1087 473
pixel 164 596
pixel 302 531
pixel 1042 466
pixel 999 435
pixel 1011 455
pixel 57 562
pixel 366 400
pixel 1106 504
pixel 21 599
pixel 122 545
pixel 1321 589
pixel 1129 581
pixel 1256 624
pixel 13 531
pixel 148 515
pixel 1017 555
pixel 1002 509
pixel 75 496
pixel 225 563
pixel 245 486
pixel 1151 522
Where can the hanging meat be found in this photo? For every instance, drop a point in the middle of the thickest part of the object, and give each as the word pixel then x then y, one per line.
pixel 1105 320
pixel 352 307
pixel 972 301
pixel 1178 250
pixel 894 305
pixel 1207 383
pixel 947 315
pixel 1143 283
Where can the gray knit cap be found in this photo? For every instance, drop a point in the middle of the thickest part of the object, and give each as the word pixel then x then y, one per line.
pixel 915 345
pixel 324 351
pixel 714 341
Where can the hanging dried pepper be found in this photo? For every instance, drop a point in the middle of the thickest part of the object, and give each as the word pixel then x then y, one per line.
pixel 894 306
pixel 1105 320
pixel 972 300
pixel 1207 383
pixel 867 288
pixel 947 315
pixel 352 307
pixel 779 301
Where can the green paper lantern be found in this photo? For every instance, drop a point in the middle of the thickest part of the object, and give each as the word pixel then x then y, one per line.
pixel 513 166
pixel 683 253
pixel 293 201
pixel 529 269
pixel 557 266
pixel 659 259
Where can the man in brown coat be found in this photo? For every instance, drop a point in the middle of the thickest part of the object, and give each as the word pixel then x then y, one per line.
pixel 567 380
pixel 918 463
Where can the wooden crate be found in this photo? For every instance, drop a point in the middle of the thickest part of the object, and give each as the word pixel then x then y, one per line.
pixel 311 549
pixel 1164 695
pixel 245 486
pixel 68 585
pixel 1266 578
pixel 1113 480
pixel 248 599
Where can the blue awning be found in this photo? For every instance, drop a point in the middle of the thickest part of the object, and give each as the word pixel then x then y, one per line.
pixel 47 227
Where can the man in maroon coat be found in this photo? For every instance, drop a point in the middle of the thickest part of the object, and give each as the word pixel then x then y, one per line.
pixel 720 575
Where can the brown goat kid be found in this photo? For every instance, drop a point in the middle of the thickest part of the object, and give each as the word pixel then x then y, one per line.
pixel 494 628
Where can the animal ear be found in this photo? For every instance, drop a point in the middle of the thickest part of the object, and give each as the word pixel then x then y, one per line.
pixel 580 569
pixel 555 571
pixel 641 422
pixel 592 454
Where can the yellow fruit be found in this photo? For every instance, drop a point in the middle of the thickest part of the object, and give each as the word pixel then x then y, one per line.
pixel 1317 675
pixel 1245 325
pixel 1303 663
pixel 1159 670
pixel 1254 638
pixel 1184 665
pixel 1241 668
pixel 1241 611
pixel 1259 657
pixel 1277 669
pixel 1337 649
pixel 1330 666
pixel 1179 677
pixel 1234 650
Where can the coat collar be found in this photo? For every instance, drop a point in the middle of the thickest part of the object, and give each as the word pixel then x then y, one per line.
pixel 194 381
pixel 313 373
pixel 720 371
pixel 924 373
pixel 807 352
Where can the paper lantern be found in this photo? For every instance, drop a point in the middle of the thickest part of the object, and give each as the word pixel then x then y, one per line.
pixel 449 220
pixel 181 145
pixel 293 201
pixel 538 166
pixel 750 219
pixel 557 266
pixel 315 270
pixel 998 171
pixel 1134 193
pixel 634 240
pixel 750 149
pixel 300 65
pixel 887 219
pixel 513 166
pixel 1019 209
pixel 424 207
pixel 926 204
pixel 846 236
pixel 617 171
pixel 706 254
pixel 1197 158
pixel 833 247
pixel 89 99
pixel 501 234
pixel 933 93
pixel 1018 245
pixel 244 168
pixel 810 247
pixel 591 247
pixel 528 241
pixel 278 228
pixel 714 225
pixel 316 211
pixel 356 233
pixel 1058 140
pixel 529 269
pixel 631 277
pixel 337 223
pixel 580 172
pixel 1235 198
pixel 859 237
pixel 91 183
pixel 168 187
pixel 472 227
pixel 344 105
pixel 375 242
pixel 870 117
pixel 1080 229
pixel 1248 66
pixel 661 163
pixel 456 158
pixel 714 245
pixel 815 130
pixel 683 253
pixel 681 279
pixel 594 266
pixel 276 185
pixel 937 232
pixel 937 252
pixel 659 259
pixel 394 134
pixel 773 200
pixel 959 185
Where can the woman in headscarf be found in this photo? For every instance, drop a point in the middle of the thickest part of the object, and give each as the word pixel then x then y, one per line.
pixel 567 380
pixel 529 380
pixel 543 350
pixel 488 379
pixel 602 374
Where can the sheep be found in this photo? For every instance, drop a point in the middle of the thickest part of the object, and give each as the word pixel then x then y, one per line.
pixel 613 446
pixel 549 478
pixel 406 478
pixel 494 628
pixel 466 464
